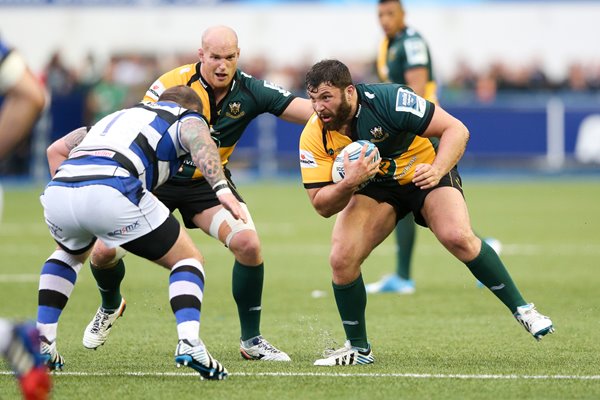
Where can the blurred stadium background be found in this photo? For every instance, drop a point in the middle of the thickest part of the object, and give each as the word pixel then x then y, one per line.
pixel 523 75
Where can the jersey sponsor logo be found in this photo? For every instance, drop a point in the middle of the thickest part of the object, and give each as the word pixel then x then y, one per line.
pixel 155 90
pixel 416 52
pixel 407 101
pixel 378 134
pixel 124 230
pixel 235 110
pixel 307 160
pixel 406 169
pixel 55 230
pixel 97 153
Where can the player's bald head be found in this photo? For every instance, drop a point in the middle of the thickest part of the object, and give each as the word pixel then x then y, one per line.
pixel 219 35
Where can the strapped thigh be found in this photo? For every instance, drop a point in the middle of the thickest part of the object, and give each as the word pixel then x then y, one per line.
pixel 236 225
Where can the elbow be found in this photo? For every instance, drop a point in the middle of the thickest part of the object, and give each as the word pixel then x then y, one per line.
pixel 40 100
pixel 324 212
pixel 34 92
pixel 53 150
pixel 50 152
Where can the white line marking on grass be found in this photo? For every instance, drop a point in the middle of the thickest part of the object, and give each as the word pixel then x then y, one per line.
pixel 340 374
pixel 19 278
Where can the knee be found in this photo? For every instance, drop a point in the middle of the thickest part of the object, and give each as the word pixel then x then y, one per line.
pixel 344 267
pixel 103 257
pixel 245 245
pixel 462 243
pixel 337 261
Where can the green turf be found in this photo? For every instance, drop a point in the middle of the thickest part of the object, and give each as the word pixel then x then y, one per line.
pixel 450 340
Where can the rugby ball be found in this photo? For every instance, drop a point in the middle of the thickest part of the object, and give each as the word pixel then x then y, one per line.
pixel 353 150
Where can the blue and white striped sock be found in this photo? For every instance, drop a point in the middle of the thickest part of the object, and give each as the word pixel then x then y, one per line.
pixel 57 280
pixel 186 287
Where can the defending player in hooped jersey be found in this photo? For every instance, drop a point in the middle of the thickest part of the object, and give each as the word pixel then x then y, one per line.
pixel 404 112
pixel 143 142
pixel 247 98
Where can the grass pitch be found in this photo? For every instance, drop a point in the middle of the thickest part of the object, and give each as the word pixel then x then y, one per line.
pixel 450 340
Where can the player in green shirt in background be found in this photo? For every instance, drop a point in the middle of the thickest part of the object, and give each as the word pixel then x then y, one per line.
pixel 404 58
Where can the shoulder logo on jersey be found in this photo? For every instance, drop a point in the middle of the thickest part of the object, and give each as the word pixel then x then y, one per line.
pixel 407 101
pixel 156 90
pixel 378 134
pixel 307 160
pixel 235 110
pixel 416 52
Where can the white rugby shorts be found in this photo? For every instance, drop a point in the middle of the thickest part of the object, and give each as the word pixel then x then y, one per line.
pixel 75 215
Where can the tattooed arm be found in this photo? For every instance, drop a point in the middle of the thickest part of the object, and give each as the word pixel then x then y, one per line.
pixel 195 134
pixel 58 151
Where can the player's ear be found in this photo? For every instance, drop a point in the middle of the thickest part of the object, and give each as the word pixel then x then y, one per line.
pixel 349 91
pixel 200 53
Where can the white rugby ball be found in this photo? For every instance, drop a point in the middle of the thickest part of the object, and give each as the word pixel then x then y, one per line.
pixel 353 150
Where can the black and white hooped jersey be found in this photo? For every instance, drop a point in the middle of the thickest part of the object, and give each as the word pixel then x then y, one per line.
pixel 142 141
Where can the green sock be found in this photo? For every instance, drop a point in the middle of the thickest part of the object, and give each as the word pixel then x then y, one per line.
pixel 247 285
pixel 489 270
pixel 405 241
pixel 351 300
pixel 109 284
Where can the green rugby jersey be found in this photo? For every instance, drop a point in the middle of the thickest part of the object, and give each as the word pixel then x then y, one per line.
pixel 248 97
pixel 389 115
pixel 406 50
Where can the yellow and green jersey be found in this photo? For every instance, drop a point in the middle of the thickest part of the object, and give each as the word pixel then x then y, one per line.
pixel 406 50
pixel 248 97
pixel 392 117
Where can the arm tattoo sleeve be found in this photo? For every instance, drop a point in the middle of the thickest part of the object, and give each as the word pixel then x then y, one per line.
pixel 73 138
pixel 196 135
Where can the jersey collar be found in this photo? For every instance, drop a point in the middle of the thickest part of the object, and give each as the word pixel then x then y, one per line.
pixel 208 88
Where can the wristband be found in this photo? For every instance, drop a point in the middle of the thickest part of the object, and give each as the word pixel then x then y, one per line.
pixel 221 187
pixel 222 191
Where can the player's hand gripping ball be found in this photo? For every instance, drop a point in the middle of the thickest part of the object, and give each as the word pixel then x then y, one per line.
pixel 353 150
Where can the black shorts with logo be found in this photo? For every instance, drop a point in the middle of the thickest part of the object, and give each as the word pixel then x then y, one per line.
pixel 191 196
pixel 408 198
